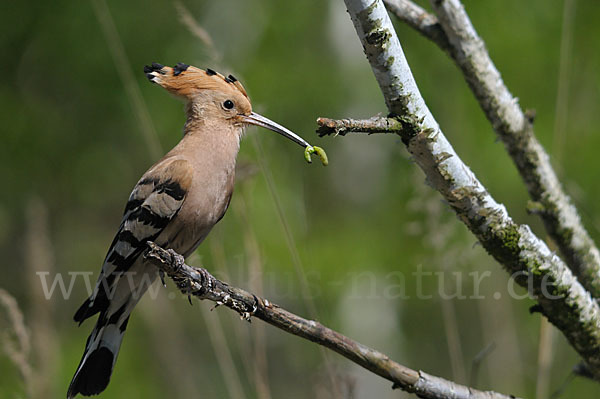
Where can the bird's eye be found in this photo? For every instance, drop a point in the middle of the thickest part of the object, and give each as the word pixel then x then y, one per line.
pixel 228 104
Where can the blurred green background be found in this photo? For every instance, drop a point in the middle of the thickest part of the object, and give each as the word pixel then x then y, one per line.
pixel 81 123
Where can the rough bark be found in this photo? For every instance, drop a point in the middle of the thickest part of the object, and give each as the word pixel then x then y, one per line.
pixel 200 283
pixel 562 299
pixel 454 33
pixel 376 124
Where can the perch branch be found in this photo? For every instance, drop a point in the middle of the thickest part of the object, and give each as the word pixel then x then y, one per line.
pixel 200 283
pixel 455 35
pixel 562 299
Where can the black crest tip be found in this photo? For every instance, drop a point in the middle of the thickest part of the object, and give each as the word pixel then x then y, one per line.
pixel 179 68
pixel 210 72
pixel 155 67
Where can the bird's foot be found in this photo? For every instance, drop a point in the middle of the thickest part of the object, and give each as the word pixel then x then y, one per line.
pixel 177 260
pixel 161 274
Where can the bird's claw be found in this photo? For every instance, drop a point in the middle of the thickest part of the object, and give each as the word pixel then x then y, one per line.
pixel 161 274
pixel 309 150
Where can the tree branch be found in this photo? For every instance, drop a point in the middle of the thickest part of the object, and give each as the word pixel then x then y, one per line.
pixel 456 36
pixel 421 21
pixel 561 297
pixel 200 283
pixel 376 124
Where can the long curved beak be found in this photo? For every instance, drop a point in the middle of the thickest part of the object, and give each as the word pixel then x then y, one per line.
pixel 259 120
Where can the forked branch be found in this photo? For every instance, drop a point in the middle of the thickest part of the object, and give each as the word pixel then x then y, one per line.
pixel 454 33
pixel 562 299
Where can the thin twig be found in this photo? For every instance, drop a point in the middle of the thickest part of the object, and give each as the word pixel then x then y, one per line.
pixel 376 124
pixel 455 34
pixel 200 283
pixel 561 298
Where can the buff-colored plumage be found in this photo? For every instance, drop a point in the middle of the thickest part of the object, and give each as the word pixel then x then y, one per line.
pixel 191 80
pixel 175 204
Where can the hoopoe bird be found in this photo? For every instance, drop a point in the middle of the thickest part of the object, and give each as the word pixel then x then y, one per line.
pixel 175 204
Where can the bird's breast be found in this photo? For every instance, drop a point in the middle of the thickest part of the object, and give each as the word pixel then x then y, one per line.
pixel 204 205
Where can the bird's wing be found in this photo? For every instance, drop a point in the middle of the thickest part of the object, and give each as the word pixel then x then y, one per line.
pixel 153 203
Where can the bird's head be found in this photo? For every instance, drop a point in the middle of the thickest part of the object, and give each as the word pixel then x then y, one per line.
pixel 212 96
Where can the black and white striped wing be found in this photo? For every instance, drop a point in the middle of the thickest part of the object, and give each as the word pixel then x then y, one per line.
pixel 153 203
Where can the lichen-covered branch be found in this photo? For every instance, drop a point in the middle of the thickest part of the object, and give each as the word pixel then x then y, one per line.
pixel 200 283
pixel 420 20
pixel 376 124
pixel 562 299
pixel 455 34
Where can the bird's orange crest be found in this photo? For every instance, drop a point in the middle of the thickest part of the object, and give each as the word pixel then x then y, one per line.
pixel 185 80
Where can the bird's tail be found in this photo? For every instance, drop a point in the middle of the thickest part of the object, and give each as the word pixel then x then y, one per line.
pixel 101 350
pixel 115 304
